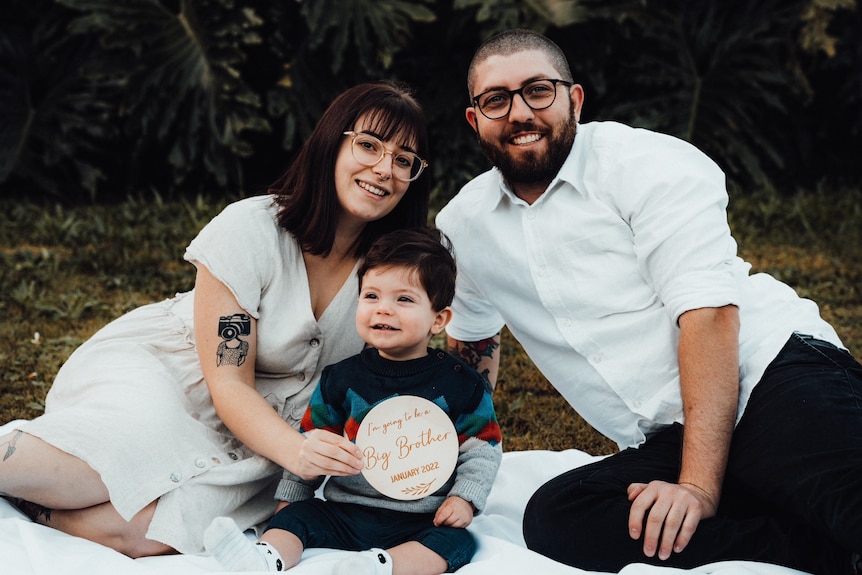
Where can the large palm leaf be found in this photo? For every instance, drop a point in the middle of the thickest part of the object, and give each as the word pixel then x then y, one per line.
pixel 54 125
pixel 186 98
pixel 716 74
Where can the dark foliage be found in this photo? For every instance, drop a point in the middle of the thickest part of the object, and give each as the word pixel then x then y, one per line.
pixel 102 99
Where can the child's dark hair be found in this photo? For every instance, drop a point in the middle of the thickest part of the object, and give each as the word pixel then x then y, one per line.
pixel 424 249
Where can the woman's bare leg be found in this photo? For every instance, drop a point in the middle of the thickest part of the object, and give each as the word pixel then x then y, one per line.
pixel 36 471
pixel 68 495
pixel 102 524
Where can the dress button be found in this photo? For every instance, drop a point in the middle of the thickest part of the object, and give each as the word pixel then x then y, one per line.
pixel 200 463
pixel 314 342
pixel 176 477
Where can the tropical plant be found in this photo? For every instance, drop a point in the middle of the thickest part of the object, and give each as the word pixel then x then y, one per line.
pixel 54 124
pixel 724 76
pixel 102 99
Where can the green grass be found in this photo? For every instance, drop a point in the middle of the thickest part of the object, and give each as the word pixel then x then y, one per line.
pixel 65 272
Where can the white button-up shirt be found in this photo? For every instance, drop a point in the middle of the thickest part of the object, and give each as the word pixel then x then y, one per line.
pixel 592 277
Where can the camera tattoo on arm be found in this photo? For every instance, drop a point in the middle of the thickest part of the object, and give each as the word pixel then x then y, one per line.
pixel 233 350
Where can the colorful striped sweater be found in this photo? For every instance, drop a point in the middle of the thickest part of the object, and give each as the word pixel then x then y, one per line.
pixel 348 390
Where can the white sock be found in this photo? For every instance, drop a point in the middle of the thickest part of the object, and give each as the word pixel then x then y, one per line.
pixel 235 552
pixel 371 562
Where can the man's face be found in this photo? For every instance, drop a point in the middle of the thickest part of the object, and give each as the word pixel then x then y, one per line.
pixel 528 146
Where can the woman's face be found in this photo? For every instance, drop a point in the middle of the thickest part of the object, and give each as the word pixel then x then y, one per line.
pixel 367 193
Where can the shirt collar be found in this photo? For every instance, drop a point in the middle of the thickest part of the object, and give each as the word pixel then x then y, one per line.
pixel 568 174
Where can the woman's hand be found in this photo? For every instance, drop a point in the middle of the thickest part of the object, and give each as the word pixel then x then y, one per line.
pixel 325 453
pixel 455 512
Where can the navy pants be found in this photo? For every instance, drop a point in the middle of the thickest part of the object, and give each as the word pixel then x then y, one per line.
pixel 339 525
pixel 792 493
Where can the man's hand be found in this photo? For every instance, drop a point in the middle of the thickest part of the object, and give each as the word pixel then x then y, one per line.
pixel 668 510
pixel 455 512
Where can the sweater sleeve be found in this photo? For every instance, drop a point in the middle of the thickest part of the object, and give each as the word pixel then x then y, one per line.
pixel 320 414
pixel 480 453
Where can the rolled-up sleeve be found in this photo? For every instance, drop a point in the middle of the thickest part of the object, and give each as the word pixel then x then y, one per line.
pixel 677 210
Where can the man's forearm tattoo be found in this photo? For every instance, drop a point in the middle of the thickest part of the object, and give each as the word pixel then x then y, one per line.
pixel 233 350
pixel 11 444
pixel 472 352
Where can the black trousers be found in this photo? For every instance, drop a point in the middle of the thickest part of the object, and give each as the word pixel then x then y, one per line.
pixel 792 493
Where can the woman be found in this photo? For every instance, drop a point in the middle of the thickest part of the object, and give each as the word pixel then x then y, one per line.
pixel 185 410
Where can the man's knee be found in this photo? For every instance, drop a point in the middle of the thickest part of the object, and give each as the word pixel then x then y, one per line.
pixel 577 519
pixel 555 520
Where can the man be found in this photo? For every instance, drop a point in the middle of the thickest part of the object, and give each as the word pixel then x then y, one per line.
pixel 608 256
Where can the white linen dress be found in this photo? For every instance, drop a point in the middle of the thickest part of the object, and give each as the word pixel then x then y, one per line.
pixel 132 402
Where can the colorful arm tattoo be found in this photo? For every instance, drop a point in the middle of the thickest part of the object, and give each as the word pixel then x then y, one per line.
pixel 472 352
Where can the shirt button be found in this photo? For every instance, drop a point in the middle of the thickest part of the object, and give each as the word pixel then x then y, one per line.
pixel 598 358
pixel 300 376
pixel 637 403
pixel 567 322
pixel 531 214
pixel 176 477
pixel 233 456
pixel 540 272
pixel 200 463
pixel 314 342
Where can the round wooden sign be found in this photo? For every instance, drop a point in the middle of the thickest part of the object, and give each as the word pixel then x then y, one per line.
pixel 410 447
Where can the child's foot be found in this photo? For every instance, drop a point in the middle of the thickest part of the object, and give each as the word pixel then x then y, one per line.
pixel 372 562
pixel 230 547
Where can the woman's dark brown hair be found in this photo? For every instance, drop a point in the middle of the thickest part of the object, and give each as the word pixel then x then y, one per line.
pixel 306 194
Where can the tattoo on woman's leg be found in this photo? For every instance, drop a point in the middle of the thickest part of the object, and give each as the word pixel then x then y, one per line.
pixel 10 445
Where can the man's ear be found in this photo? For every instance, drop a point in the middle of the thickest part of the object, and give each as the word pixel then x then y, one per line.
pixel 470 114
pixel 577 94
pixel 441 320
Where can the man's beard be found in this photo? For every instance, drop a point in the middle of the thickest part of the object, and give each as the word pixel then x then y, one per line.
pixel 533 167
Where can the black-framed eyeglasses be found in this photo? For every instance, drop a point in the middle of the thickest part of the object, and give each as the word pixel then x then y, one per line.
pixel 538 95
pixel 368 150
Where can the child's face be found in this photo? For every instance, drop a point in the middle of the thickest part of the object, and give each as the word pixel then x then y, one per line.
pixel 395 315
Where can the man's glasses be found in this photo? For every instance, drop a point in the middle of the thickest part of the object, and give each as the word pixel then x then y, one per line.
pixel 368 151
pixel 538 95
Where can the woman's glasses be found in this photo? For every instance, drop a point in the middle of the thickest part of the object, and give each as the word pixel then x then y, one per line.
pixel 368 151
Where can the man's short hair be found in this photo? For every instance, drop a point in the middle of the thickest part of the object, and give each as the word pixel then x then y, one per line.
pixel 514 41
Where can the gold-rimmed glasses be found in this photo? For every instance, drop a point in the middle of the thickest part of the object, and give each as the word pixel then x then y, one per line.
pixel 368 150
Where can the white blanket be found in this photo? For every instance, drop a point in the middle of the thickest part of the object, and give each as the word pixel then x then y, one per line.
pixel 27 548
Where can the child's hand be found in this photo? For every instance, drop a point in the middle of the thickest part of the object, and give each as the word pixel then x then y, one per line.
pixel 455 512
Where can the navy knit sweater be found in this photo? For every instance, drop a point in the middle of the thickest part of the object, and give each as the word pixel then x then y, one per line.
pixel 349 389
